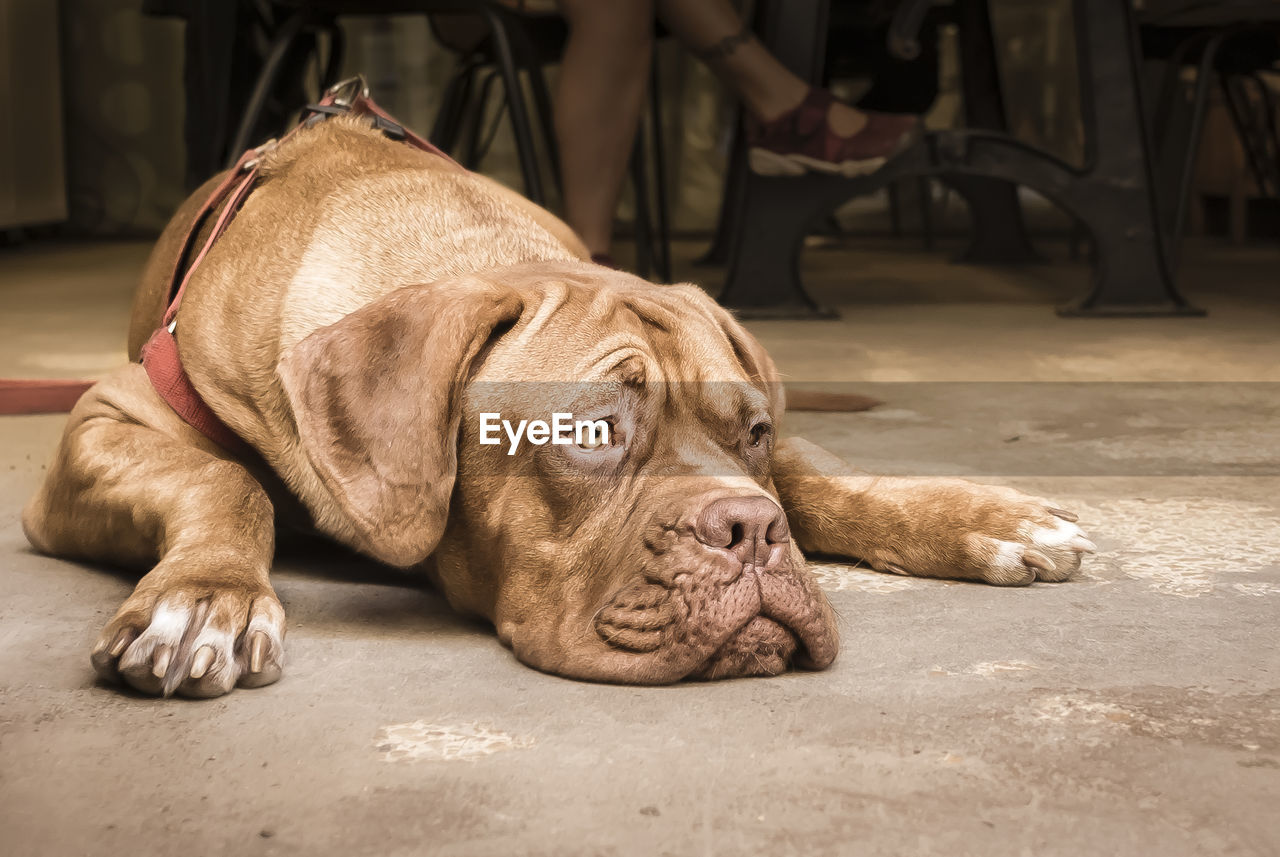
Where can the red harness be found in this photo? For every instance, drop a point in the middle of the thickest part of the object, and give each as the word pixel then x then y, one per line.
pixel 160 354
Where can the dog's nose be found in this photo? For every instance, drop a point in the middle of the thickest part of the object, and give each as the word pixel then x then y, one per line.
pixel 749 527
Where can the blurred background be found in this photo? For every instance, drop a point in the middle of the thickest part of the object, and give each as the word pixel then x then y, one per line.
pixel 94 99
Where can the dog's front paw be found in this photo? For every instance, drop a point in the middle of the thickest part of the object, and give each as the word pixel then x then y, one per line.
pixel 990 533
pixel 193 640
pixel 1046 546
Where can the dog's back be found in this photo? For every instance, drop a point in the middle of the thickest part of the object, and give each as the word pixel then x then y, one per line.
pixel 341 216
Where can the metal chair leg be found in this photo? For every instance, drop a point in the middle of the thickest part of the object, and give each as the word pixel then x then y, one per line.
pixel 1170 85
pixel 448 125
pixel 640 184
pixel 1269 135
pixel 444 127
pixel 1170 130
pixel 520 126
pixel 280 45
pixel 333 62
pixel 546 118
pixel 663 212
pixel 998 234
pixel 477 111
pixel 1256 137
pixel 1200 102
pixel 728 221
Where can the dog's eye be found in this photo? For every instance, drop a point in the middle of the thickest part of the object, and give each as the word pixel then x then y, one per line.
pixel 760 434
pixel 589 439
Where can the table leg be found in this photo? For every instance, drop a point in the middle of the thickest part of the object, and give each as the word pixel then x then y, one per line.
pixel 997 233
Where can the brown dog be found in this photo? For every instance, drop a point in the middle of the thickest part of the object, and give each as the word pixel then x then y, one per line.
pixel 365 308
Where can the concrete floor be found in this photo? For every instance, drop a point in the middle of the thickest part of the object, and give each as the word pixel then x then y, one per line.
pixel 1133 711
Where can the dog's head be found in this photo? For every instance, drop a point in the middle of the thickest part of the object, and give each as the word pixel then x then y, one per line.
pixel 638 538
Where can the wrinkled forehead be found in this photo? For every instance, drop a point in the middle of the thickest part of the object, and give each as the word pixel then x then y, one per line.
pixel 597 337
pixel 582 333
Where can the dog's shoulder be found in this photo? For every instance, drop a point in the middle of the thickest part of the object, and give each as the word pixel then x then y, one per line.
pixel 342 147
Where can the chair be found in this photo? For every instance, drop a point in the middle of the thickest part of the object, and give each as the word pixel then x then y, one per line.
pixel 459 127
pixel 305 19
pixel 1113 195
pixel 1232 43
pixel 514 46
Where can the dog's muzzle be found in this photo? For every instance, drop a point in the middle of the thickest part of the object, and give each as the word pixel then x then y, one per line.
pixel 724 599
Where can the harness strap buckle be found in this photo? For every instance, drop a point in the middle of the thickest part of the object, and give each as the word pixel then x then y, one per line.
pixel 252 163
pixel 345 92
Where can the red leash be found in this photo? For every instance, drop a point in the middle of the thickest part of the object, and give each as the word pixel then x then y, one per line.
pixel 32 396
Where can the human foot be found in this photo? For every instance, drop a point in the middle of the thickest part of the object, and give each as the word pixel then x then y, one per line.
pixel 821 134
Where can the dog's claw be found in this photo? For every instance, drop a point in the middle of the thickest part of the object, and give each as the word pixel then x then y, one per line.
pixel 121 642
pixel 160 661
pixel 257 651
pixel 201 662
pixel 1035 559
pixel 1064 514
pixel 1080 543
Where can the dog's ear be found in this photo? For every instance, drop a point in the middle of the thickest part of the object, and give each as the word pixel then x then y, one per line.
pixel 377 399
